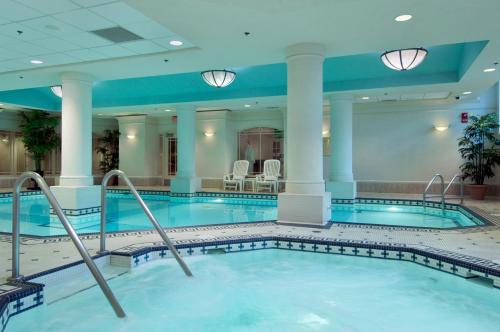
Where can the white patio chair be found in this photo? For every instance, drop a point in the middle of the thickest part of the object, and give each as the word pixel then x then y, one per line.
pixel 236 179
pixel 269 179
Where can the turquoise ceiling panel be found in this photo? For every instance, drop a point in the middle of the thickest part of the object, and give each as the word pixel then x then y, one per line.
pixel 444 64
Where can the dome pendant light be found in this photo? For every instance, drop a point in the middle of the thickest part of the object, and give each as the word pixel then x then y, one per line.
pixel 218 78
pixel 404 59
pixel 57 90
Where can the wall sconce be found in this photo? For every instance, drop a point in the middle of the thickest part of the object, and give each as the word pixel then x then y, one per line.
pixel 131 136
pixel 209 133
pixel 441 128
pixel 325 133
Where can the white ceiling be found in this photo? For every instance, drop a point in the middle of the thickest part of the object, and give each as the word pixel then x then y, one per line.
pixel 217 29
pixel 57 32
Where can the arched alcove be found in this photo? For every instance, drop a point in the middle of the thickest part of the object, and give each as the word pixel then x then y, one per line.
pixel 261 143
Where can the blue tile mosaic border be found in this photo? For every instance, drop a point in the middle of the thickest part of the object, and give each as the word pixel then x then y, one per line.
pixel 18 298
pixel 427 256
pixel 27 295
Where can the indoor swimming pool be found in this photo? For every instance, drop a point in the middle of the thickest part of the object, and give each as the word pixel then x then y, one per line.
pixel 125 214
pixel 276 290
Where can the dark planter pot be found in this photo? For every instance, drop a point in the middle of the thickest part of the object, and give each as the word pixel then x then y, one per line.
pixel 33 184
pixel 477 191
pixel 113 181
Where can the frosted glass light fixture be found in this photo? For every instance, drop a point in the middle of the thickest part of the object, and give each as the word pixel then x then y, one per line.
pixel 218 78
pixel 404 59
pixel 209 133
pixel 441 128
pixel 57 90
pixel 131 136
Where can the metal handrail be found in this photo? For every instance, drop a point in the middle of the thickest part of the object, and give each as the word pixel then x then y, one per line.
pixel 150 216
pixel 16 277
pixel 431 182
pixel 461 178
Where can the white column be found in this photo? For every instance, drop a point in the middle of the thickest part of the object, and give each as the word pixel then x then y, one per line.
pixel 341 184
pixel 305 200
pixel 76 190
pixel 185 180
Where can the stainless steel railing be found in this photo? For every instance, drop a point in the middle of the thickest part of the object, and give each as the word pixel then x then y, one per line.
pixel 16 277
pixel 148 213
pixel 460 177
pixel 429 185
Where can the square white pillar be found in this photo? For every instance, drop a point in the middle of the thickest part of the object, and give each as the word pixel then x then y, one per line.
pixel 77 198
pixel 187 185
pixel 304 209
pixel 342 190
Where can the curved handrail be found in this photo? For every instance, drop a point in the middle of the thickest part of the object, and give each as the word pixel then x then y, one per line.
pixel 431 182
pixel 148 213
pixel 461 178
pixel 71 232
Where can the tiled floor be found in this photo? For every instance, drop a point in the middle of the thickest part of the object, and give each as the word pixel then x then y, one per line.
pixel 41 254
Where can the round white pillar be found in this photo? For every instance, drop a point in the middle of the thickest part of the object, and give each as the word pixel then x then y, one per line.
pixel 186 136
pixel 76 190
pixel 185 180
pixel 341 138
pixel 305 200
pixel 304 119
pixel 341 184
pixel 76 130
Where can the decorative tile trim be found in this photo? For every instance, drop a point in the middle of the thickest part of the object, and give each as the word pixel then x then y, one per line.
pixel 18 297
pixel 23 193
pixel 79 212
pixel 418 254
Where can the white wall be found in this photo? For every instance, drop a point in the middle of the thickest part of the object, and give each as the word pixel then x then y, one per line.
pixel 139 154
pixel 396 141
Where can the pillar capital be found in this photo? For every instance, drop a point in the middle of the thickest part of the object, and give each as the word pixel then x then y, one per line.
pixel 305 49
pixel 340 97
pixel 76 76
pixel 185 107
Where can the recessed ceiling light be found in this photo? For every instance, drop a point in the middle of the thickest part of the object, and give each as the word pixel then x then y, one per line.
pixel 168 110
pixel 247 105
pixel 403 18
pixel 365 98
pixel 36 62
pixel 489 70
pixel 466 92
pixel 176 43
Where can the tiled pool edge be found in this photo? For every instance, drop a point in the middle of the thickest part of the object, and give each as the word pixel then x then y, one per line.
pixel 445 261
pixel 27 296
pixel 30 294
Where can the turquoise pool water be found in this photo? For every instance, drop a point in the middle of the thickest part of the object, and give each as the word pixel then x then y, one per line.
pixel 277 290
pixel 414 216
pixel 125 214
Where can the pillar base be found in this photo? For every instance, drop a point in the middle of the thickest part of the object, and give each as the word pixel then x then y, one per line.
pixel 304 209
pixel 342 190
pixel 77 198
pixel 185 185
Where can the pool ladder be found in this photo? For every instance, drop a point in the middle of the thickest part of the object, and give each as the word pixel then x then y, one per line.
pixel 87 258
pixel 157 226
pixel 444 191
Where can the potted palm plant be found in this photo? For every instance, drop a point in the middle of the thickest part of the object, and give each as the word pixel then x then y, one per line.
pixel 478 150
pixel 108 148
pixel 38 129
